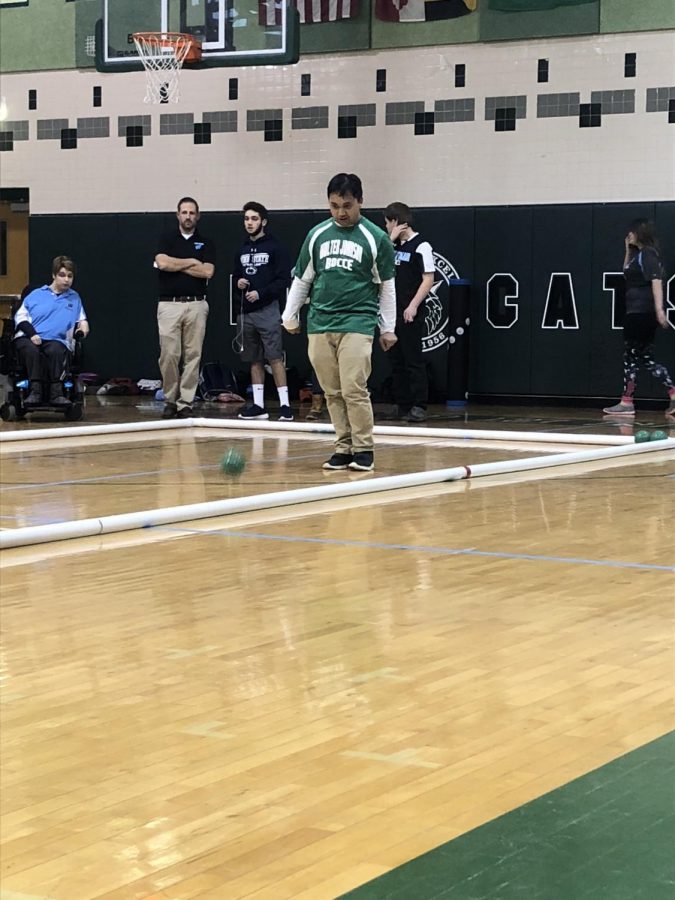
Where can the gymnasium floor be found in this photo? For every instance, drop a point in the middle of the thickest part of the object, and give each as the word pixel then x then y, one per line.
pixel 291 703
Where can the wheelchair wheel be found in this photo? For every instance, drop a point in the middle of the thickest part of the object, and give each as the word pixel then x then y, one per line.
pixel 74 413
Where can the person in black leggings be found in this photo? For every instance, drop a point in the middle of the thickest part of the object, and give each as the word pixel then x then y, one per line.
pixel 643 271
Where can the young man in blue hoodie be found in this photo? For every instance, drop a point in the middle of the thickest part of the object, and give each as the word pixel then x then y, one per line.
pixel 262 274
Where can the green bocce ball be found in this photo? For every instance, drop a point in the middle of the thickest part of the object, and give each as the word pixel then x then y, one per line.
pixel 658 436
pixel 641 437
pixel 233 462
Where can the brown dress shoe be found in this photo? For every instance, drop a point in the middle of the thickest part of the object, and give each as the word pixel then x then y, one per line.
pixel 316 412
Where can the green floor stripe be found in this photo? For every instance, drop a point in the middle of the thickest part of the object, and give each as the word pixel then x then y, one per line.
pixel 609 835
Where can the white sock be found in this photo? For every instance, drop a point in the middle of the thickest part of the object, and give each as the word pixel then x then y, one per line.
pixel 259 395
pixel 283 396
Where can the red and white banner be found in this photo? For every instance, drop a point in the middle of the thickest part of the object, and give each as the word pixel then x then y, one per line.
pixel 310 11
pixel 422 10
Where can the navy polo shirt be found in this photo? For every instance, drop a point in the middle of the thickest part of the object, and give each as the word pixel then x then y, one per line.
pixel 196 246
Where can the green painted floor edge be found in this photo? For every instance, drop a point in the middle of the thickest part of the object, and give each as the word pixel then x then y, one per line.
pixel 608 835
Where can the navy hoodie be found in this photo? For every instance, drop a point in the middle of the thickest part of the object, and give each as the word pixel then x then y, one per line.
pixel 267 265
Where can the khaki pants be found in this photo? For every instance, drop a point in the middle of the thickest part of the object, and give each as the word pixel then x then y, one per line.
pixel 181 334
pixel 342 363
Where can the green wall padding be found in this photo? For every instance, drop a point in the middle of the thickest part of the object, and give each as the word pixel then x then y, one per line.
pixel 52 35
pixel 423 34
pixel 568 20
pixel 37 37
pixel 332 37
pixel 86 14
pixel 628 15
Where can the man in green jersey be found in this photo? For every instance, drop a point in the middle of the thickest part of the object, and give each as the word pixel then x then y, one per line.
pixel 347 263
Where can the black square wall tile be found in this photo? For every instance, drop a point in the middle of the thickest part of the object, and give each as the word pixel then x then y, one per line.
pixel 424 123
pixel 346 126
pixel 134 135
pixel 68 138
pixel 671 110
pixel 6 140
pixel 305 85
pixel 381 81
pixel 32 99
pixel 233 88
pixel 630 65
pixel 505 118
pixel 590 115
pixel 542 70
pixel 96 96
pixel 274 130
pixel 460 75
pixel 202 132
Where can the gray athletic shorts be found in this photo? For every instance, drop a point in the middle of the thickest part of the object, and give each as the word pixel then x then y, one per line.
pixel 261 334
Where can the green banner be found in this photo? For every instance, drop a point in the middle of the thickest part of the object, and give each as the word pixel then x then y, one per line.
pixel 533 5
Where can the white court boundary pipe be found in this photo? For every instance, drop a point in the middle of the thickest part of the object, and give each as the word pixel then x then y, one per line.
pixel 40 534
pixel 315 428
pixel 41 434
pixel 458 433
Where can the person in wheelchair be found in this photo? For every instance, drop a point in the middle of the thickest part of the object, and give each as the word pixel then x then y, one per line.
pixel 46 324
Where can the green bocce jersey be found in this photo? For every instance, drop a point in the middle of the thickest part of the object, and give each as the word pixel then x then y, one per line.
pixel 346 267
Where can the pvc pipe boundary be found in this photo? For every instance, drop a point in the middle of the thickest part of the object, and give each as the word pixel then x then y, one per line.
pixel 170 515
pixel 314 428
pixel 459 433
pixel 84 430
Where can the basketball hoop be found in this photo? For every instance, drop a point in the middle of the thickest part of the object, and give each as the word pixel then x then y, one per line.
pixel 163 54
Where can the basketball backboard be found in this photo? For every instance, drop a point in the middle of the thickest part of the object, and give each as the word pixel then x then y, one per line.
pixel 232 32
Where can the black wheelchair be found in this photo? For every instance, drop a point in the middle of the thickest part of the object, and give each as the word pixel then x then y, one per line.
pixel 17 385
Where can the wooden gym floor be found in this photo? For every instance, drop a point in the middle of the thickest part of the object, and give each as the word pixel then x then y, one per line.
pixel 289 703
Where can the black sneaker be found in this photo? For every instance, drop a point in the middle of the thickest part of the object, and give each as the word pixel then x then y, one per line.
pixel 33 399
pixel 416 414
pixel 185 412
pixel 285 414
pixel 339 461
pixel 363 461
pixel 253 411
pixel 170 410
pixel 393 414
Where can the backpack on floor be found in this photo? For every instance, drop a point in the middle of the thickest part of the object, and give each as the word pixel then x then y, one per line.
pixel 215 378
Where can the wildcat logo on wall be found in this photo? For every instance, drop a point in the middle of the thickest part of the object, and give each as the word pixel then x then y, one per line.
pixel 436 305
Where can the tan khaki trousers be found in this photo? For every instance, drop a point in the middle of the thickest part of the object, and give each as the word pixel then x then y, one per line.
pixel 342 363
pixel 181 334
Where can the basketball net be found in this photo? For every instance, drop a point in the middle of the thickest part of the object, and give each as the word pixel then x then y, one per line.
pixel 163 54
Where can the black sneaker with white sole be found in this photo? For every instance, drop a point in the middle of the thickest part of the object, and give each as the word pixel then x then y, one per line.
pixel 339 461
pixel 285 414
pixel 416 414
pixel 253 411
pixel 363 461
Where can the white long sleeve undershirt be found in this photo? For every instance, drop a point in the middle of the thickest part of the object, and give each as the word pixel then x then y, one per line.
pixel 300 288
